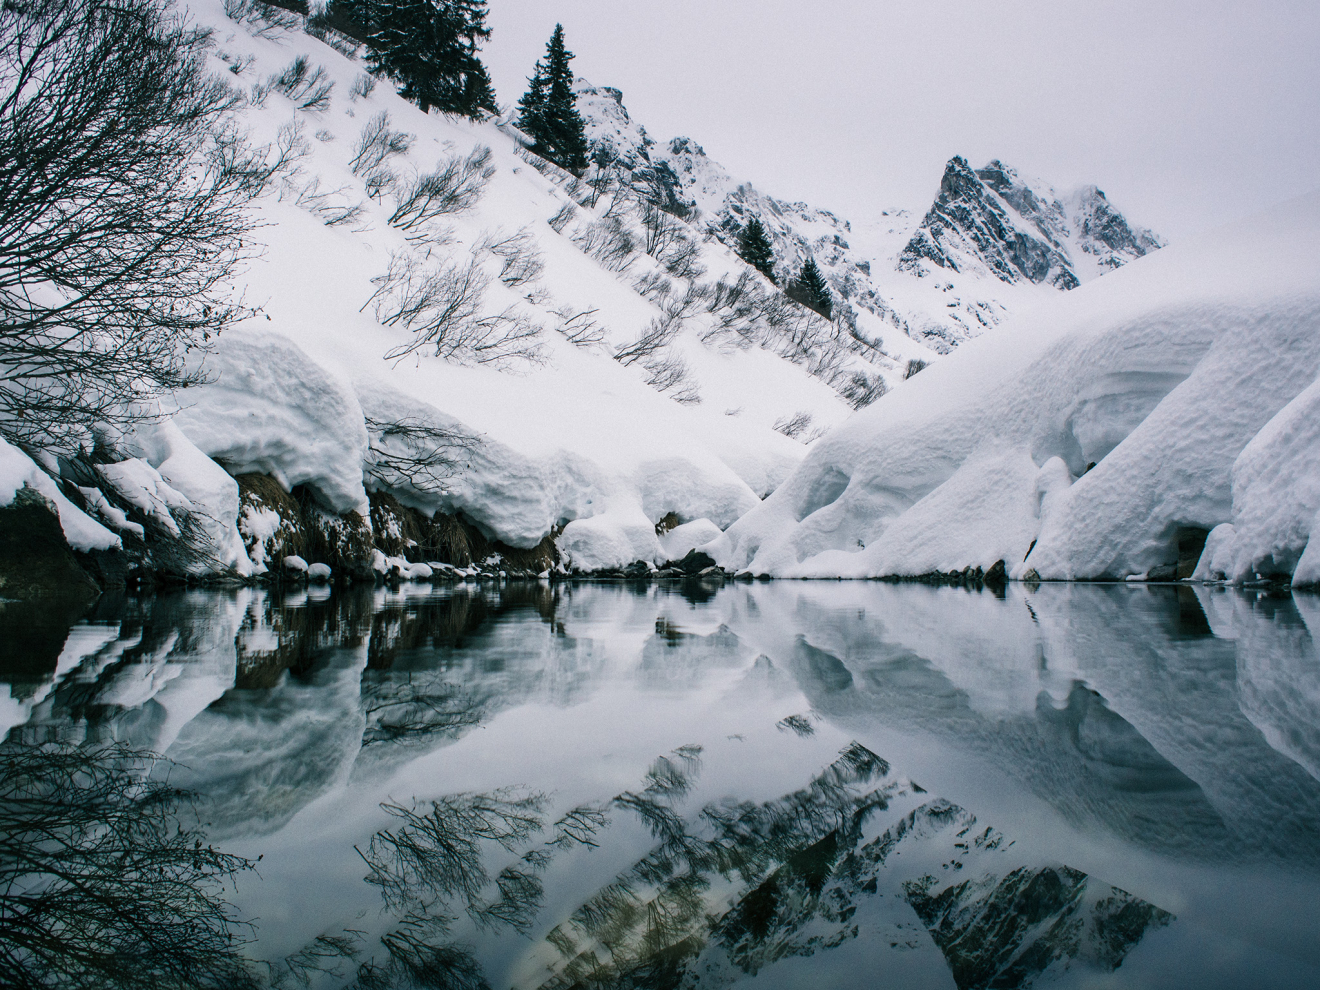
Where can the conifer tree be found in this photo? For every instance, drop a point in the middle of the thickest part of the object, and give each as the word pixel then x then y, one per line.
pixel 754 247
pixel 809 288
pixel 548 112
pixel 428 47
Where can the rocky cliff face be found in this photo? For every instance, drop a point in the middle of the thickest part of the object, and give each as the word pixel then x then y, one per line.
pixel 991 221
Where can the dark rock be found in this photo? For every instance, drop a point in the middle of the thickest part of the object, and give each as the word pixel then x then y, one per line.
pixel 36 562
pixel 693 563
pixel 637 569
pixel 1191 543
pixel 1165 572
pixel 997 575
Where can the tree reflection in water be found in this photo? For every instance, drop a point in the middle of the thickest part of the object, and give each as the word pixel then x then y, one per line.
pixel 106 879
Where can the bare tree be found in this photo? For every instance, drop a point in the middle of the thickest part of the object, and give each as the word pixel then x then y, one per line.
pixel 523 263
pixel 861 389
pixel 454 187
pixel 308 89
pixel 122 187
pixel 561 219
pixel 609 242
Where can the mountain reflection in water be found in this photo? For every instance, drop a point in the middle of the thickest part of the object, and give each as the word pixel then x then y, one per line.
pixel 1119 786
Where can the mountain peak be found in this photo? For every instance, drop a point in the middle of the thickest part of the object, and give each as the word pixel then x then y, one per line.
pixel 990 219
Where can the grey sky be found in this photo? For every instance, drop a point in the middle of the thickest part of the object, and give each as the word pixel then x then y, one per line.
pixel 1188 114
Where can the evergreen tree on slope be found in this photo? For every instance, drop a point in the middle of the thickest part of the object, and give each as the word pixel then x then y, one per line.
pixel 810 290
pixel 548 112
pixel 754 247
pixel 429 47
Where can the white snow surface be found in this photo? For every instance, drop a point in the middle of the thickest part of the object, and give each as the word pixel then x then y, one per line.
pixel 572 439
pixel 1186 377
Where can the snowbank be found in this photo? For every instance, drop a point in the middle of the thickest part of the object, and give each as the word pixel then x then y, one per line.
pixel 1176 393
pixel 270 409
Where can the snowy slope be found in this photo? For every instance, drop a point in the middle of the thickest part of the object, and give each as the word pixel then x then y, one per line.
pixel 557 432
pixel 1171 397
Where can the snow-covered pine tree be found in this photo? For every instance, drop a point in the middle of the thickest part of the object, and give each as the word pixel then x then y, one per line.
pixel 810 290
pixel 429 47
pixel 754 247
pixel 548 111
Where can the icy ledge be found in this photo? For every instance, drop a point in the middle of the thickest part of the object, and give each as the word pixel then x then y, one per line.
pixel 1176 395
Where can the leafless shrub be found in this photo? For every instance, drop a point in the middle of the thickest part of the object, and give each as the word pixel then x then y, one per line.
pixel 310 90
pixel 328 35
pixel 328 206
pixel 441 307
pixel 660 230
pixel 913 366
pixel 380 181
pixel 238 64
pixel 325 136
pixel 681 259
pixel 653 286
pixel 409 453
pixel 523 263
pixel 793 426
pixel 861 389
pixel 433 303
pixel 261 20
pixel 123 182
pixel 609 242
pixel 562 219
pixel 667 372
pixel 580 329
pixel 454 187
pixel 659 333
pixel 600 178
pixel 682 308
pixel 377 144
pixel 362 87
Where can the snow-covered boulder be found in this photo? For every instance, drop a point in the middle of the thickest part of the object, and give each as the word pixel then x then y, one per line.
pixel 270 409
pixel 1087 434
pixel 191 496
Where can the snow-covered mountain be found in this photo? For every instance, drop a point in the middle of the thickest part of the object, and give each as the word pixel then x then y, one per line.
pixel 988 239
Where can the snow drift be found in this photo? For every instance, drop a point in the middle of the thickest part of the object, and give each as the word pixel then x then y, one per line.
pixel 1177 394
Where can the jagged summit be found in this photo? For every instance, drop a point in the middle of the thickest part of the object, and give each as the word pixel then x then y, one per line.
pixel 991 221
pixel 988 227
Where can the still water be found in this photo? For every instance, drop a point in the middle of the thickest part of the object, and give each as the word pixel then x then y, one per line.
pixel 786 784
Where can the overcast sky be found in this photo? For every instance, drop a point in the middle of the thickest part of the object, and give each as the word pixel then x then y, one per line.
pixel 1187 114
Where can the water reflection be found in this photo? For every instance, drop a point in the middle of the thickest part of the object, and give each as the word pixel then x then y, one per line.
pixel 473 754
pixel 106 879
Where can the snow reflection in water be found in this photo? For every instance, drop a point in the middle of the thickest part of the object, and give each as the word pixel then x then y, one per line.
pixel 1118 786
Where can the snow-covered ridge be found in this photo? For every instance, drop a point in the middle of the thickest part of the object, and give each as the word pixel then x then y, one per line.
pixel 990 238
pixel 1101 436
